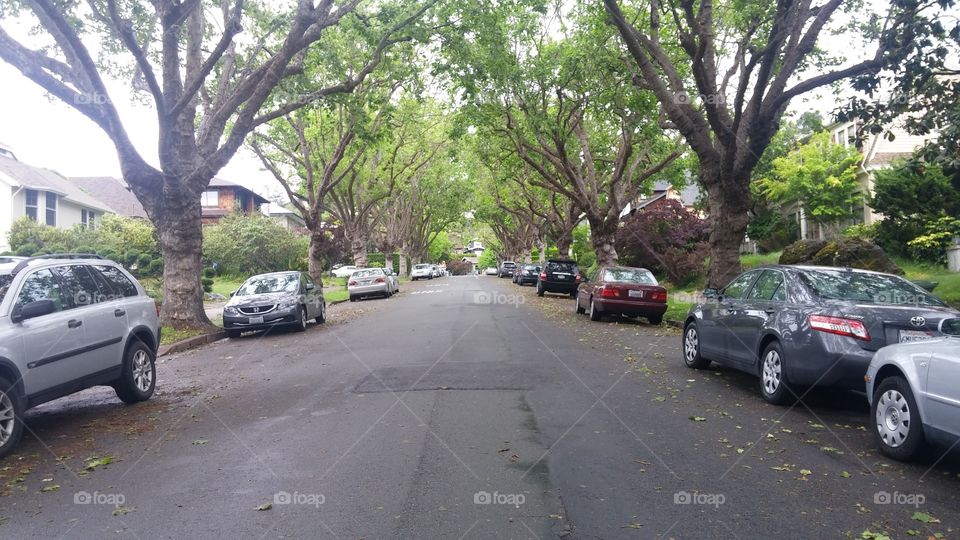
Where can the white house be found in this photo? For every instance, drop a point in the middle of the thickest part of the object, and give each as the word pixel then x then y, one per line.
pixel 878 152
pixel 284 216
pixel 42 195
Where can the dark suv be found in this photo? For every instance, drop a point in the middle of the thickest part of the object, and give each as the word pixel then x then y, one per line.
pixel 559 276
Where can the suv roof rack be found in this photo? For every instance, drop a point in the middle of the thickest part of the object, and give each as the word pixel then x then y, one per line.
pixel 26 262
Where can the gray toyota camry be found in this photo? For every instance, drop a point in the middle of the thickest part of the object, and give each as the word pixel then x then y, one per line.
pixel 797 326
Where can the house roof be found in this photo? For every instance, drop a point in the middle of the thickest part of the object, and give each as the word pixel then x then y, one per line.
pixel 113 192
pixel 689 194
pixel 220 182
pixel 22 175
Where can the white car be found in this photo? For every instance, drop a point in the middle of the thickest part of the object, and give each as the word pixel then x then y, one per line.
pixel 491 271
pixel 421 271
pixel 344 271
pixel 914 393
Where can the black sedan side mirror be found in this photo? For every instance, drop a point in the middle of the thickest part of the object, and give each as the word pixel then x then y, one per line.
pixel 33 309
pixel 711 293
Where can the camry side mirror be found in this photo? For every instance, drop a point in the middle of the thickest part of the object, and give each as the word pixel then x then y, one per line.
pixel 950 327
pixel 711 293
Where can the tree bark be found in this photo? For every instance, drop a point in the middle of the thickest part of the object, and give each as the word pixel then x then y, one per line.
pixel 358 248
pixel 603 235
pixel 563 245
pixel 388 260
pixel 315 257
pixel 404 264
pixel 729 206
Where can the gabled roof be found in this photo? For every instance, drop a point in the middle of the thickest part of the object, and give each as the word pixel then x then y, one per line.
pixel 220 182
pixel 113 192
pixel 20 174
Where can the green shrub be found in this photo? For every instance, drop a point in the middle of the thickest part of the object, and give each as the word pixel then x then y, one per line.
pixel 209 272
pixel 376 260
pixel 253 244
pixel 207 284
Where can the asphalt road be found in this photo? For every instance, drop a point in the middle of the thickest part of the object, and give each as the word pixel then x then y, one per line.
pixel 464 407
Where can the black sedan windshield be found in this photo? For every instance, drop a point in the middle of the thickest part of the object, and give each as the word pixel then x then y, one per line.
pixel 270 284
pixel 866 287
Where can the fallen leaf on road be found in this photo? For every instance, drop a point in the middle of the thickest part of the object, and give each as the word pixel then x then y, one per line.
pixel 122 510
pixel 924 517
pixel 199 442
pixel 631 526
pixel 54 487
pixel 263 507
pixel 845 474
pixel 698 419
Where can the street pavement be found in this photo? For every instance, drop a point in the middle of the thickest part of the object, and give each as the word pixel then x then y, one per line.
pixel 463 407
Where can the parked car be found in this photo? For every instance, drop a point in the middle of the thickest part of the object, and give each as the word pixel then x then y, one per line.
pixel 491 271
pixel 914 393
pixel 807 325
pixel 622 290
pixel 506 269
pixel 527 273
pixel 344 271
pixel 559 276
pixel 67 325
pixel 370 282
pixel 421 271
pixel 265 301
pixel 435 270
pixel 394 279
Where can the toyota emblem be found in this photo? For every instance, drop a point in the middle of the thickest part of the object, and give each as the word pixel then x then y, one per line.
pixel 918 321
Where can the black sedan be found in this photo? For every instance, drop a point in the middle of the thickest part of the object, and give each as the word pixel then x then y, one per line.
pixel 525 274
pixel 799 326
pixel 277 299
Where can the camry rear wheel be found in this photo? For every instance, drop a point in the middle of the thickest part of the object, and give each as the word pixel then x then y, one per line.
pixel 773 377
pixel 691 348
pixel 899 430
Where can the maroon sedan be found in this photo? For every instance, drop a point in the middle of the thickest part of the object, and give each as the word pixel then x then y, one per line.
pixel 623 290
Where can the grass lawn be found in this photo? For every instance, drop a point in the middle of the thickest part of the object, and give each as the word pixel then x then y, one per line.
pixel 948 289
pixel 170 335
pixel 335 295
pixel 227 284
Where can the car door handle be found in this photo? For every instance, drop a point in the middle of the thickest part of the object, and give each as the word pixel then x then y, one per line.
pixel 119 312
pixel 769 311
pixel 74 323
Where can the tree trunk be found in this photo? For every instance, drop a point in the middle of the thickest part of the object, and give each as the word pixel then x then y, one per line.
pixel 358 248
pixel 180 237
pixel 729 207
pixel 563 245
pixel 543 252
pixel 603 235
pixel 388 260
pixel 315 258
pixel 404 265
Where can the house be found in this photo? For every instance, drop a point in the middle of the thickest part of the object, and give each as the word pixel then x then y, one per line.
pixel 222 198
pixel 284 216
pixel 878 152
pixel 113 192
pixel 689 196
pixel 474 247
pixel 43 196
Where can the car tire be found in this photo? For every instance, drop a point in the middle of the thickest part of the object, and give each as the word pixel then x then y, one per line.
pixel 301 323
pixel 691 348
pixel 573 294
pixel 774 386
pixel 11 416
pixel 540 290
pixel 898 437
pixel 595 314
pixel 578 310
pixel 655 319
pixel 322 317
pixel 353 298
pixel 138 377
pixel 233 334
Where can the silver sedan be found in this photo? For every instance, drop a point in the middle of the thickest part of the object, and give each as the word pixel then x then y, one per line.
pixel 370 282
pixel 914 393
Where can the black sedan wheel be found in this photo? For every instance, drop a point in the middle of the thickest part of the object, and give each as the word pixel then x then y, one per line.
pixel 899 430
pixel 691 348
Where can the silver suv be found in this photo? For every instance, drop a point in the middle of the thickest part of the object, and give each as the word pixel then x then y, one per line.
pixel 68 323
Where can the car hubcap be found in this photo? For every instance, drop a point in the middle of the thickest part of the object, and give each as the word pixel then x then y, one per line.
pixel 142 371
pixel 893 418
pixel 7 418
pixel 772 369
pixel 591 308
pixel 690 345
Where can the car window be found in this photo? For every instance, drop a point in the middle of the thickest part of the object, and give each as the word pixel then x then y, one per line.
pixel 769 286
pixel 5 281
pixel 42 285
pixel 79 284
pixel 119 282
pixel 866 287
pixel 275 283
pixel 738 286
pixel 371 272
pixel 629 275
pixel 570 268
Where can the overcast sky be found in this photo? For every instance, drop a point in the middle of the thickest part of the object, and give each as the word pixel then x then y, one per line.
pixel 46 133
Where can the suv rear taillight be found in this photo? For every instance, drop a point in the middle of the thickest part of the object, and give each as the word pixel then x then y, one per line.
pixel 609 292
pixel 840 326
pixel 543 275
pixel 578 278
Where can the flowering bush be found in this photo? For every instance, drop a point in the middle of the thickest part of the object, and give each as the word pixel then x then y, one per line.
pixel 666 239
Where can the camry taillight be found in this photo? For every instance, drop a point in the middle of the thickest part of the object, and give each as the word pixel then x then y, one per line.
pixel 609 292
pixel 840 326
pixel 352 283
pixel 380 280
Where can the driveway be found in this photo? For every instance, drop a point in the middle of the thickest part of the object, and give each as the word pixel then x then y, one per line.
pixel 463 407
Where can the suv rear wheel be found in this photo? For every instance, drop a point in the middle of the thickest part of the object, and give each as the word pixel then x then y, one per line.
pixel 11 416
pixel 139 376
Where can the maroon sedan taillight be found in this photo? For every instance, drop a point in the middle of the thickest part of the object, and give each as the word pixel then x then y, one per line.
pixel 609 292
pixel 658 296
pixel 352 283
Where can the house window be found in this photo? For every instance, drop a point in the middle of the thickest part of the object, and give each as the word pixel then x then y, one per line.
pixel 51 209
pixel 32 196
pixel 209 198
pixel 88 217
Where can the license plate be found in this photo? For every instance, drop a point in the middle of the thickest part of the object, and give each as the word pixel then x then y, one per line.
pixel 256 320
pixel 914 335
pixel 560 276
pixel 635 294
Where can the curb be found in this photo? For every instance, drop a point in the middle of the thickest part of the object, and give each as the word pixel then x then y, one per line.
pixel 675 324
pixel 190 343
pixel 203 339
